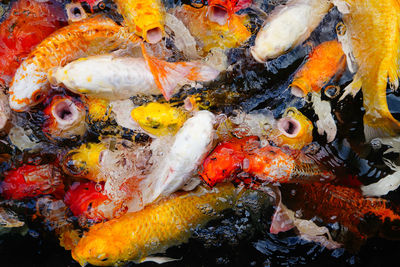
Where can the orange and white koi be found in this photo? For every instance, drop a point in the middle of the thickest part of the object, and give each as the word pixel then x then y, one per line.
pixel 377 57
pixel 118 78
pixel 220 11
pixel 66 118
pixel 211 34
pixel 288 26
pixel 93 36
pixel 324 62
pixel 294 130
pixel 144 17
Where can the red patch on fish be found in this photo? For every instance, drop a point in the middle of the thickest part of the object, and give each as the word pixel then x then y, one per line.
pixel 232 6
pixel 28 23
pixel 84 198
pixel 31 181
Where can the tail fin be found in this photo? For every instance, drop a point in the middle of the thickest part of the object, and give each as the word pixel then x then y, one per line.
pixel 384 127
pixel 168 75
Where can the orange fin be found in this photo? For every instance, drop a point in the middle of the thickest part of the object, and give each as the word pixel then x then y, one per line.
pixel 168 75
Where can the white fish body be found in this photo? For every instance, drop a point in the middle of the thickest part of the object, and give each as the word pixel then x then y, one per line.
pixel 287 27
pixel 106 76
pixel 177 166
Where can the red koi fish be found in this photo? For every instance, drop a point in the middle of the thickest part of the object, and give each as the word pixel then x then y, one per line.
pixel 31 181
pixel 240 158
pixel 220 11
pixel 335 203
pixel 88 201
pixel 27 24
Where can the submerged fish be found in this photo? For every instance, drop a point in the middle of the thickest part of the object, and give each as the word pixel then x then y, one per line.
pixel 288 26
pixel 31 181
pixel 220 11
pixel 84 161
pixel 144 17
pixel 377 57
pixel 86 199
pixel 66 118
pixel 115 78
pixel 334 203
pixel 159 119
pixel 27 24
pixel 324 62
pixel 5 110
pixel 97 35
pixel 211 34
pixel 135 236
pixel 293 130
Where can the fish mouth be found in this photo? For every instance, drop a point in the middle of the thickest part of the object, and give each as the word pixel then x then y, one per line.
pixel 218 14
pixel 154 35
pixel 256 56
pixel 289 127
pixel 299 88
pixel 65 112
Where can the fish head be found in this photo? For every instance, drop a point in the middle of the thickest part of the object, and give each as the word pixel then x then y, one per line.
pixel 28 88
pixel 295 129
pixel 267 46
pixel 84 161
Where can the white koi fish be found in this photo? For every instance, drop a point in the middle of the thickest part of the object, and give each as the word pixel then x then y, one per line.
pixel 287 27
pixel 118 78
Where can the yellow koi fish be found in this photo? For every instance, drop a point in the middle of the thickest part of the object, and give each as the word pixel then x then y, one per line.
pixel 159 119
pixel 143 17
pixel 294 130
pixel 97 35
pixel 374 30
pixel 135 236
pixel 211 34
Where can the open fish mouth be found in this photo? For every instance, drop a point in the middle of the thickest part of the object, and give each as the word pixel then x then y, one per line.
pixel 289 127
pixel 218 14
pixel 154 35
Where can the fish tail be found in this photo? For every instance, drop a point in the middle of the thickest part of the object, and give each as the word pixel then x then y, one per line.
pixel 168 75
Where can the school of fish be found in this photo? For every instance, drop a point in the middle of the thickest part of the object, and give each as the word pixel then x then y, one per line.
pixel 105 128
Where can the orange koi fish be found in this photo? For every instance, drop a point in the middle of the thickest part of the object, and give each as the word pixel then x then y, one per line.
pixel 144 17
pixel 294 130
pixel 377 57
pixel 241 158
pixel 66 118
pixel 27 24
pixel 31 181
pixel 324 62
pixel 212 34
pixel 220 11
pixel 93 36
pixel 86 200
pixel 335 203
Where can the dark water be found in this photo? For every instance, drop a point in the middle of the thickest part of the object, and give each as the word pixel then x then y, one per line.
pixel 241 237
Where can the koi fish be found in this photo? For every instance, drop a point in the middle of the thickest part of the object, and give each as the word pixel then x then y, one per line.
pixel 5 110
pixel 84 161
pixel 176 168
pixel 267 164
pixel 220 11
pixel 335 203
pixel 31 181
pixel 377 57
pixel 88 201
pixel 324 62
pixel 135 236
pixel 100 35
pixel 128 76
pixel 66 118
pixel 287 27
pixel 211 34
pixel 294 130
pixel 159 119
pixel 226 159
pixel 144 17
pixel 27 24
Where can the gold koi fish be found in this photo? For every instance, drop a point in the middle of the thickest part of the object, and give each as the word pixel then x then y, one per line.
pixel 137 235
pixel 97 35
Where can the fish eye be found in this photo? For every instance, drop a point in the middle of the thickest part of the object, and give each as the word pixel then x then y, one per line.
pixel 101 5
pixel 197 3
pixel 38 96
